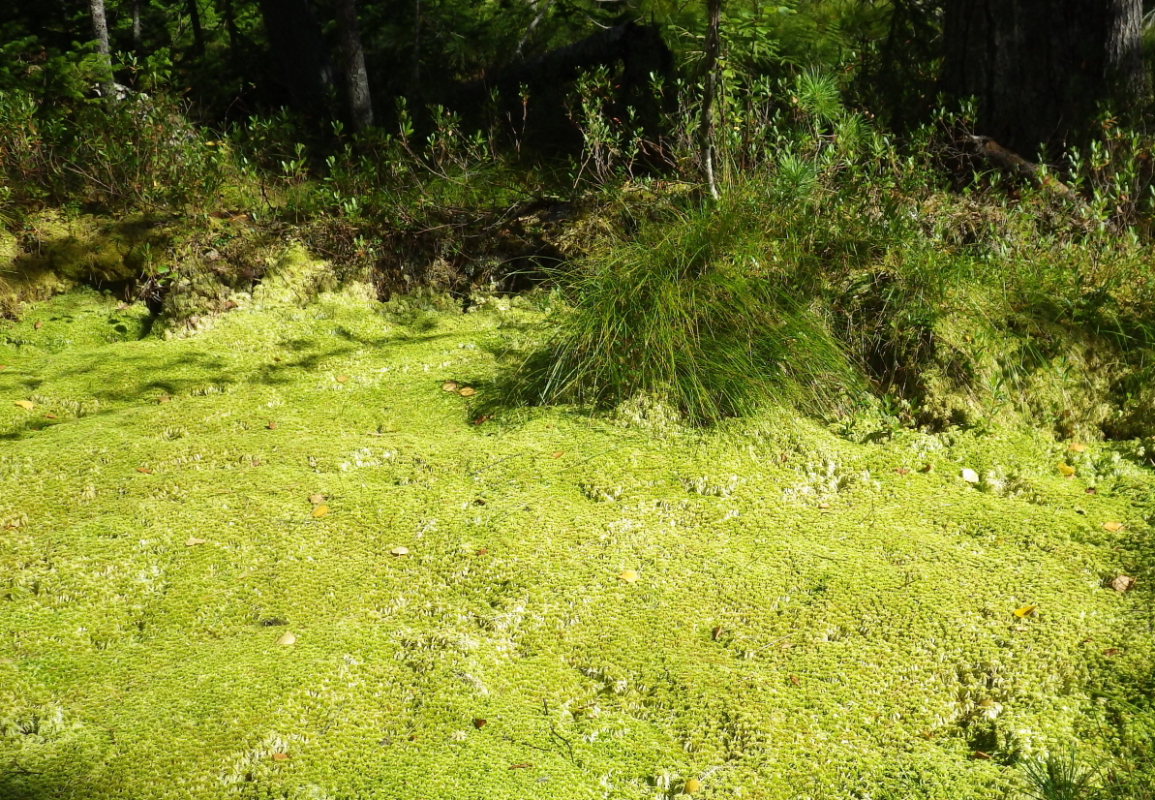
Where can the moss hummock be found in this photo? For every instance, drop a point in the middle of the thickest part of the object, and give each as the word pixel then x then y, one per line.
pixel 817 613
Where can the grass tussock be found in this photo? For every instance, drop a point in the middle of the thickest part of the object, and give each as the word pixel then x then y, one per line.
pixel 688 311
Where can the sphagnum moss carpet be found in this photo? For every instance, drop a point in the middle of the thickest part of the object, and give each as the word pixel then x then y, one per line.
pixel 280 558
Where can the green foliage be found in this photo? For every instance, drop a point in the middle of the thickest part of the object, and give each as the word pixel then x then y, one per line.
pixel 139 153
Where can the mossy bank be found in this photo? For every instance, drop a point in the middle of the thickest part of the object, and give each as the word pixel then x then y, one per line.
pixel 277 558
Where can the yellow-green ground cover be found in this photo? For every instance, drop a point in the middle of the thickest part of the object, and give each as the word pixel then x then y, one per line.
pixel 816 613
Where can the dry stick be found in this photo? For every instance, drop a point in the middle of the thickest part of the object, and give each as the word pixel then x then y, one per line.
pixel 1008 161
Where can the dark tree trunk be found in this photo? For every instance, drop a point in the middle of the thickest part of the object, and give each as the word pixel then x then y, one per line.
pixel 1040 68
pixel 194 14
pixel 230 18
pixel 299 52
pixel 353 64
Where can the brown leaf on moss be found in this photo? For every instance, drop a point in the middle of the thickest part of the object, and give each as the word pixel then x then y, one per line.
pixel 1122 583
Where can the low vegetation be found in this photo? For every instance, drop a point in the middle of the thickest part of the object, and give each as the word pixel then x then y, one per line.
pixel 288 555
pixel 429 461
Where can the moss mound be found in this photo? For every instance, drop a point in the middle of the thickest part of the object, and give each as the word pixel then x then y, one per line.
pixel 817 613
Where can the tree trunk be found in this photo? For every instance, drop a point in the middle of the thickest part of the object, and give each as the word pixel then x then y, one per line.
pixel 353 63
pixel 706 131
pixel 136 42
pixel 194 15
pixel 230 17
pixel 100 33
pixel 1040 68
pixel 299 52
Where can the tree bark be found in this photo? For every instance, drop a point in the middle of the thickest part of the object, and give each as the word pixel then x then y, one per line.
pixel 1040 68
pixel 710 90
pixel 136 30
pixel 353 63
pixel 100 33
pixel 299 51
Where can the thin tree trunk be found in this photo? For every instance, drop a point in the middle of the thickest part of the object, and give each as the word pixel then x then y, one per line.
pixel 353 62
pixel 100 33
pixel 416 89
pixel 194 14
pixel 706 131
pixel 136 38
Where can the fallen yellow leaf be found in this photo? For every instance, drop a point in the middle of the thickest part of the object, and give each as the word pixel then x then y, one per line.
pixel 317 499
pixel 1066 469
pixel 286 639
pixel 342 379
pixel 281 756
pixel 629 575
pixel 693 786
pixel 194 541
pixel 1113 527
pixel 400 551
pixel 1077 447
pixel 1026 611
pixel 1122 583
pixel 450 386
pixel 467 391
pixel 320 511
pixel 27 405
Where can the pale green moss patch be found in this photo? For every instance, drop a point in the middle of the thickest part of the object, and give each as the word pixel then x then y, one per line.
pixel 813 617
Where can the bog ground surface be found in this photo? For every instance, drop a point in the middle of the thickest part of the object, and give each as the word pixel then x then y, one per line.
pixel 278 559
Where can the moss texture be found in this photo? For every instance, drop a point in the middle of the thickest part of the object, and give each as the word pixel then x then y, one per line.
pixel 816 614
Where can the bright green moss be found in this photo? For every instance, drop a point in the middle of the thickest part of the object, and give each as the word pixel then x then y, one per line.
pixel 814 617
